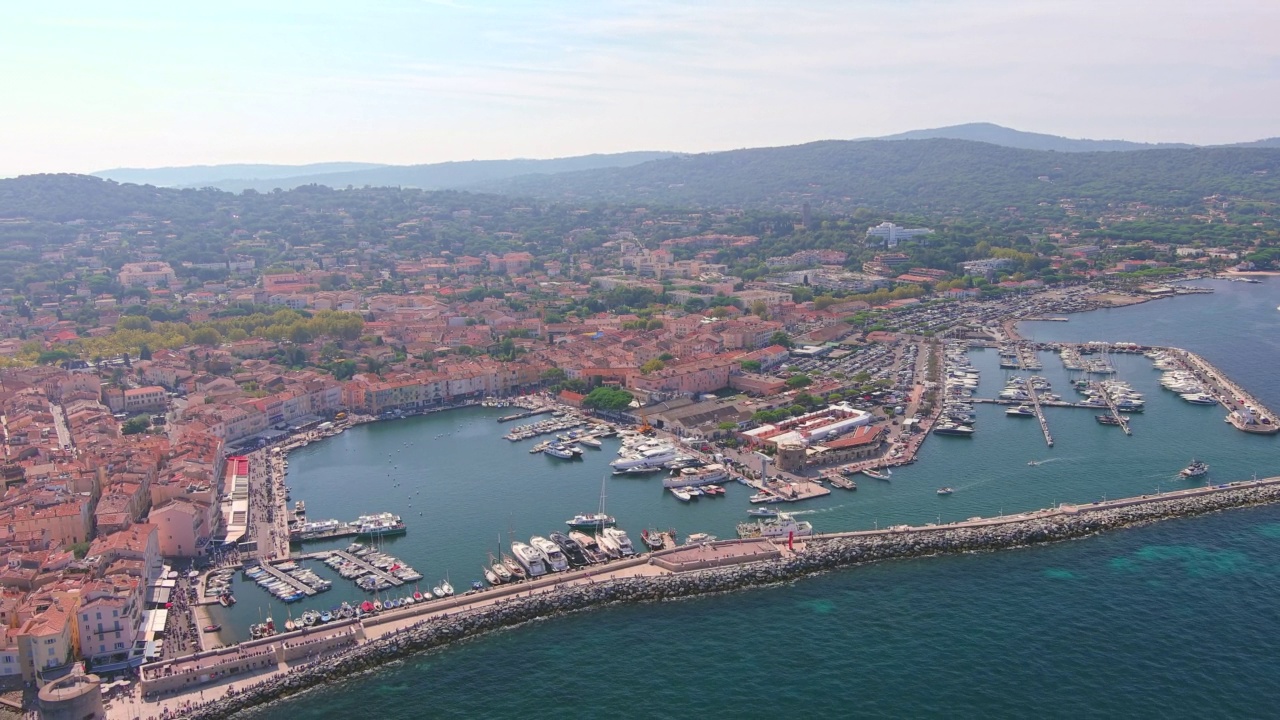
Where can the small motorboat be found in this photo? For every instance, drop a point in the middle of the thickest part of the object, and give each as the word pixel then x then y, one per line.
pixel 945 491
pixel 212 628
pixel 763 512
pixel 875 474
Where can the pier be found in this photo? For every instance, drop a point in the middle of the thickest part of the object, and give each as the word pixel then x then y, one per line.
pixel 1122 420
pixel 1035 404
pixel 526 414
pixel 360 563
pixel 288 579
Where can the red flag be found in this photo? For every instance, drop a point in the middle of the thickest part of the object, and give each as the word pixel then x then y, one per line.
pixel 791 536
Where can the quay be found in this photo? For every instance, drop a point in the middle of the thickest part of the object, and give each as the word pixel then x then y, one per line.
pixel 360 563
pixel 288 579
pixel 1245 413
pixel 526 414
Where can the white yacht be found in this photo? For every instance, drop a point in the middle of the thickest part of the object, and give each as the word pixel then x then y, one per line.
pixel 531 560
pixel 1199 398
pixel 654 457
pixel 590 442
pixel 608 546
pixel 783 526
pixel 1021 411
pixel 620 540
pixel 556 561
pixel 559 451
pixel 693 477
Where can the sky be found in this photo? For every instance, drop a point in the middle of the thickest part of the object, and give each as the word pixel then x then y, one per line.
pixel 94 85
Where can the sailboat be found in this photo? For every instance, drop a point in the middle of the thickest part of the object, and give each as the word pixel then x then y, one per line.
pixel 513 568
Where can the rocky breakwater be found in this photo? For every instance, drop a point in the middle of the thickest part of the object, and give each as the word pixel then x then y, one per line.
pixel 820 553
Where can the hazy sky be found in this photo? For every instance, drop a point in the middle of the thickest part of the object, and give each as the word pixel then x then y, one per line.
pixel 92 85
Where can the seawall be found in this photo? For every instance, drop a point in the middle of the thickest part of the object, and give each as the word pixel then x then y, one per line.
pixel 819 554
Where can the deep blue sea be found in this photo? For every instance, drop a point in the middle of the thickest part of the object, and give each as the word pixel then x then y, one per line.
pixel 1175 620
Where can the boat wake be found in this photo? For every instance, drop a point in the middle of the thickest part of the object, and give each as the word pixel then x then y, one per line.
pixel 1046 461
pixel 816 511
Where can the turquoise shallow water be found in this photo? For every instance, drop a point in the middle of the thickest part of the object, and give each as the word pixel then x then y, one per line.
pixel 1174 619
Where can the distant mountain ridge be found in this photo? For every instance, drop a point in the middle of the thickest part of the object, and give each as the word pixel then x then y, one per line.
pixel 434 176
pixel 204 175
pixel 1008 137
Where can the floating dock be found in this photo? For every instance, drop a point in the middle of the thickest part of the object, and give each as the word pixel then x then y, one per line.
pixel 363 565
pixel 288 579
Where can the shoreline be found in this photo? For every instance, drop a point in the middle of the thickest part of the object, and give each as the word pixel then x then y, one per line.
pixel 819 554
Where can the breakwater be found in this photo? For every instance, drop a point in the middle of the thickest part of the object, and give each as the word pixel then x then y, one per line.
pixel 818 554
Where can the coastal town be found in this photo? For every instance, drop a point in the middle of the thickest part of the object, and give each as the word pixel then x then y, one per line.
pixel 149 406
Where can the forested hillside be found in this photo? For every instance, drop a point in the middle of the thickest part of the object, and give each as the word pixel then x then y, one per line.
pixel 926 176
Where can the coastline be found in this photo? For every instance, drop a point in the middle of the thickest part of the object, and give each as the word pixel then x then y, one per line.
pixel 819 554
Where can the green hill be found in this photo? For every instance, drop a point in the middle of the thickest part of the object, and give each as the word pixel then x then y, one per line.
pixel 917 176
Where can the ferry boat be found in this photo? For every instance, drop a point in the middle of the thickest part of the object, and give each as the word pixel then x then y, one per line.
pixel 556 561
pixel 945 491
pixel 529 559
pixel 316 529
pixel 379 525
pixel 593 521
pixel 1195 469
pixel 693 477
pixel 1020 411
pixel 782 526
pixel 559 451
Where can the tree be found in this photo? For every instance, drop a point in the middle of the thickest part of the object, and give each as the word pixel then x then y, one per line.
pixel 135 425
pixel 554 375
pixel 207 336
pixel 751 365
pixel 781 338
pixel 799 380
pixel 144 352
pixel 652 366
pixel 607 398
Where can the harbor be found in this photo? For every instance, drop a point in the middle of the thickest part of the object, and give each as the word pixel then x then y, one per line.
pixel 686 571
pixel 990 472
pixel 461 549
